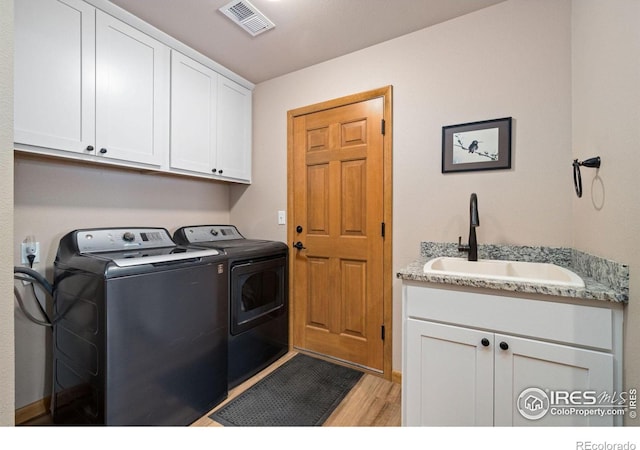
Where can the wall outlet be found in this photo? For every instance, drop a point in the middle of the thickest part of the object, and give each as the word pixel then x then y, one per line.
pixel 30 248
pixel 282 218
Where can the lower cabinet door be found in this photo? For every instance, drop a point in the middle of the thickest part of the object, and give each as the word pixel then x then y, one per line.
pixel 545 384
pixel 448 379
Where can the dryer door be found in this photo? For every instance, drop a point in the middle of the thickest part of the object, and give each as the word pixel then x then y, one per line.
pixel 258 292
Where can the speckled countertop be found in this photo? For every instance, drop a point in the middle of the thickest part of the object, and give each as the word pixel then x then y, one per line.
pixel 604 279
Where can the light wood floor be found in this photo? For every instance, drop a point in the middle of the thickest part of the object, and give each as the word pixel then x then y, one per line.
pixel 373 402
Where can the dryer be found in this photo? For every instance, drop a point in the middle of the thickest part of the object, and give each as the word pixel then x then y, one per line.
pixel 258 295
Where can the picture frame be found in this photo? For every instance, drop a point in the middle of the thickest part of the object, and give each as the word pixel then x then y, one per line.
pixel 484 145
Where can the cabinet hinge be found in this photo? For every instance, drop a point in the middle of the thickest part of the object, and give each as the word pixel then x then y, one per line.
pixel 382 332
pixel 383 126
pixel 383 229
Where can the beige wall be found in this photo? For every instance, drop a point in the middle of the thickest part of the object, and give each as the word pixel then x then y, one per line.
pixel 6 214
pixel 606 123
pixel 489 64
pixel 53 198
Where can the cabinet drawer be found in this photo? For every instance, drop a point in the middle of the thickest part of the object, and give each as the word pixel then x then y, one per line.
pixel 586 326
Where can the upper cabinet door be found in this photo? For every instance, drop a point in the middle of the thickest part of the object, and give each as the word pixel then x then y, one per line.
pixel 54 74
pixel 234 130
pixel 194 90
pixel 132 93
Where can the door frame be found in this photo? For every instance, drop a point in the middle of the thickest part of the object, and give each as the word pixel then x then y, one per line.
pixel 386 94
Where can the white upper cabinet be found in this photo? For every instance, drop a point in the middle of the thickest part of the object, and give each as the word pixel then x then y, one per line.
pixel 210 122
pixel 97 84
pixel 194 90
pixel 54 74
pixel 234 130
pixel 132 93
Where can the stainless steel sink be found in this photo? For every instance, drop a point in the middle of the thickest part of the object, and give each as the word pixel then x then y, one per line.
pixel 518 271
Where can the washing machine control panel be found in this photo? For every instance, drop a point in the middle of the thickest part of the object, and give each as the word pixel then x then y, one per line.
pixel 104 240
pixel 211 233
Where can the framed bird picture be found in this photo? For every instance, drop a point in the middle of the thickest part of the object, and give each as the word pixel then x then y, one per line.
pixel 484 145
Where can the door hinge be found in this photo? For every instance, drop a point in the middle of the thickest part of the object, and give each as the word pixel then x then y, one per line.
pixel 383 126
pixel 382 332
pixel 383 229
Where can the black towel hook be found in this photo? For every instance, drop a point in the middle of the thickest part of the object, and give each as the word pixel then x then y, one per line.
pixel 577 179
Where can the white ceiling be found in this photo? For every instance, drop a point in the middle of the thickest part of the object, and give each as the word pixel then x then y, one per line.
pixel 307 32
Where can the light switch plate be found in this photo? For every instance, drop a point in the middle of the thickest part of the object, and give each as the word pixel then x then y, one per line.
pixel 282 219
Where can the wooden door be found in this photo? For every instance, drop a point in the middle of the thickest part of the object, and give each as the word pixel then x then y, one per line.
pixel 337 193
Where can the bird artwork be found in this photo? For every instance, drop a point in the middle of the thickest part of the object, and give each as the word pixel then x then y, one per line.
pixel 474 148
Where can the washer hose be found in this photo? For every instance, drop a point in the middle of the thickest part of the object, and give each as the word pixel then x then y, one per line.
pixel 27 274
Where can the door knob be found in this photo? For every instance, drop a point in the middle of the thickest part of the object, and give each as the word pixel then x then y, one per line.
pixel 299 245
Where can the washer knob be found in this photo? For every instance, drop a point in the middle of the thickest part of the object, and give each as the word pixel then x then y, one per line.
pixel 214 231
pixel 128 236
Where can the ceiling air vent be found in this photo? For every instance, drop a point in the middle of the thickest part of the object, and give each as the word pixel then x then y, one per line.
pixel 247 16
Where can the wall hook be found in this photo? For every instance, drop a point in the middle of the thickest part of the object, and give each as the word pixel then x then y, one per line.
pixel 577 179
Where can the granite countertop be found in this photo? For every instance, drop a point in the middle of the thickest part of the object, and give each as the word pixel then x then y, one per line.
pixel 604 279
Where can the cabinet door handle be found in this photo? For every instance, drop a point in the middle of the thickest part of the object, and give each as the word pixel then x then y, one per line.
pixel 220 171
pixel 89 148
pixel 485 342
pixel 103 150
pixel 214 170
pixel 504 345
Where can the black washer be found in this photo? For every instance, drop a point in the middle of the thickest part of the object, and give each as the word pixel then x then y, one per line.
pixel 141 334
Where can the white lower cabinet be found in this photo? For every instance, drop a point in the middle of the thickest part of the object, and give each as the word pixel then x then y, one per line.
pixel 481 360
pixel 449 375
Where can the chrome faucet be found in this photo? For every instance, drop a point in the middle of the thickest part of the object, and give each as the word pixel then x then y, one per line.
pixel 474 221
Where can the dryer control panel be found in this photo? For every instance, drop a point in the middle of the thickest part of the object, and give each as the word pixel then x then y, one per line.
pixel 211 233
